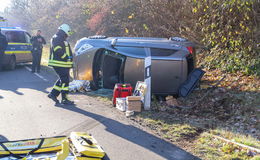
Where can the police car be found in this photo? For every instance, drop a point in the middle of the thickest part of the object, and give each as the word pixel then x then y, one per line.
pixel 19 47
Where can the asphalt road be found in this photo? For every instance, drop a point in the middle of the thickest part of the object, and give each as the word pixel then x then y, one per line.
pixel 26 112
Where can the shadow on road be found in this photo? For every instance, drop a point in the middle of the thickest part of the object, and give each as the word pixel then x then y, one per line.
pixel 137 136
pixel 22 78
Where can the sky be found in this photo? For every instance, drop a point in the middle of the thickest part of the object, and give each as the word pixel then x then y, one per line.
pixel 3 4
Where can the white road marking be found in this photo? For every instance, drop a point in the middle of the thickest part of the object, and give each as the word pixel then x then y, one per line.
pixel 29 69
pixel 37 74
pixel 41 77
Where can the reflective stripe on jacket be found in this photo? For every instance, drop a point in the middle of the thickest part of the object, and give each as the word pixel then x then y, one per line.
pixel 60 52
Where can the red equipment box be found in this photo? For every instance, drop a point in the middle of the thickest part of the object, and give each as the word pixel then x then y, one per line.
pixel 121 91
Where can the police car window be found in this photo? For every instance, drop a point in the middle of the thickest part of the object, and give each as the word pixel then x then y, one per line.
pixel 27 38
pixel 162 52
pixel 15 36
pixel 132 50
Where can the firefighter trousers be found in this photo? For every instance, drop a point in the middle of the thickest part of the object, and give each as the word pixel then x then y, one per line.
pixel 62 84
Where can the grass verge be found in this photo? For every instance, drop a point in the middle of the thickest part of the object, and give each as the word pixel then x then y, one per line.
pixel 230 111
pixel 45 55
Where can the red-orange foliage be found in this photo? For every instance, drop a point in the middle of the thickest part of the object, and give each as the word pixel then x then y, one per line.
pixel 95 21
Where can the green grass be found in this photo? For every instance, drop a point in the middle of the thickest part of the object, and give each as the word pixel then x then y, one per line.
pixel 211 148
pixel 171 131
pixel 202 144
pixel 243 139
pixel 45 55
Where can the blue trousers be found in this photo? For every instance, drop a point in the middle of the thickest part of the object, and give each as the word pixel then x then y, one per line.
pixel 37 56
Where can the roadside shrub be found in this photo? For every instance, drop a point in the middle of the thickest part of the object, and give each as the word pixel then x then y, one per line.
pixel 231 30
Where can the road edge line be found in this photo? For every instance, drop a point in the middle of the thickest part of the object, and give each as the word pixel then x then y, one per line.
pixel 41 77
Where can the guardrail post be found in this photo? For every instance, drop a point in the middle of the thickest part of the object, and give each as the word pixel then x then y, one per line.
pixel 148 78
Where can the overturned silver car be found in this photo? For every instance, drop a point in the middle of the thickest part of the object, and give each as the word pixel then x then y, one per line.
pixel 106 61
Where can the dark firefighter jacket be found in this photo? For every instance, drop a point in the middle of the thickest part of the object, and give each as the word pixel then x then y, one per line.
pixel 3 43
pixel 60 51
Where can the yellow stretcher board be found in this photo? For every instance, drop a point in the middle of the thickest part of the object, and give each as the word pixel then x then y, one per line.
pixel 85 147
pixel 79 146
pixel 41 145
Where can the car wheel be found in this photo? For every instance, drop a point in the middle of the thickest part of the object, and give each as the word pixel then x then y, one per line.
pixel 12 63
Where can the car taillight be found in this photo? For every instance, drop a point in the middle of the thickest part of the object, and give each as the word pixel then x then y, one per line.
pixel 190 49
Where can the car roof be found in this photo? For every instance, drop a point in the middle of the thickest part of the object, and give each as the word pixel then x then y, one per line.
pixel 12 29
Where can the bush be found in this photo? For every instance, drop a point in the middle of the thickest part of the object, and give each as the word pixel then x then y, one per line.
pixel 231 30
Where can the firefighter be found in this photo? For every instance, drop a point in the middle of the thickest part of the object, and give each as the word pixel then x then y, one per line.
pixel 61 61
pixel 37 43
pixel 3 46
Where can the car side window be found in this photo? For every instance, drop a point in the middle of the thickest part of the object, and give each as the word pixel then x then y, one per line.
pixel 27 37
pixel 139 51
pixel 162 52
pixel 15 36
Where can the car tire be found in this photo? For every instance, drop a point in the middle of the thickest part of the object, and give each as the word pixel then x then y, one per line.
pixel 12 63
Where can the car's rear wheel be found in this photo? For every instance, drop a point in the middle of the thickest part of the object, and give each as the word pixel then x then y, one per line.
pixel 12 63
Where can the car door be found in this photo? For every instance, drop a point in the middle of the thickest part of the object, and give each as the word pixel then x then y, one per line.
pixel 17 44
pixel 27 47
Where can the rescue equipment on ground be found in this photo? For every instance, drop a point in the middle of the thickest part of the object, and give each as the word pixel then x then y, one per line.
pixel 121 104
pixel 140 90
pixel 131 103
pixel 84 146
pixel 79 85
pixel 14 148
pixel 121 91
pixel 134 103
pixel 129 113
pixel 78 145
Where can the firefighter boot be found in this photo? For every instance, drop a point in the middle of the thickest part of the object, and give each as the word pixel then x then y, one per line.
pixel 65 100
pixel 54 98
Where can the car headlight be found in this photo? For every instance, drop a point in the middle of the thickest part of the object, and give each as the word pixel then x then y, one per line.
pixel 83 49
